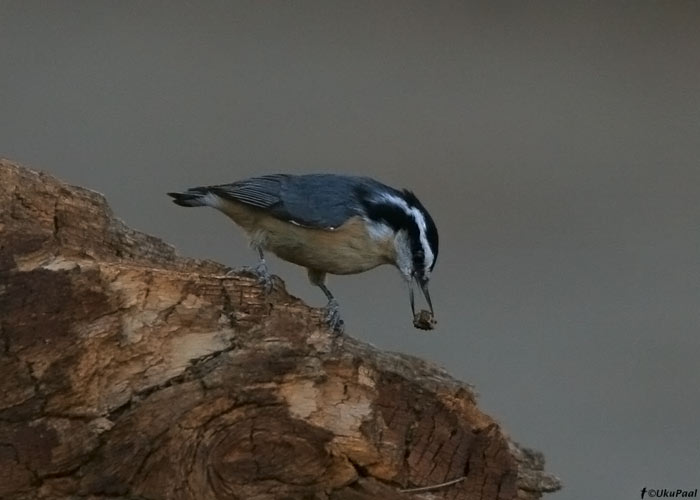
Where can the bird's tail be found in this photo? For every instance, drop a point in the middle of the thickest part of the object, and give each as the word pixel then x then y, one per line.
pixel 194 197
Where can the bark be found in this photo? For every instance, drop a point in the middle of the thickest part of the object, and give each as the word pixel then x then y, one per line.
pixel 128 371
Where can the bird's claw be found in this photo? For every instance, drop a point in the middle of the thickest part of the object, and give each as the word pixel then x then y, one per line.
pixel 260 271
pixel 264 278
pixel 332 317
pixel 238 270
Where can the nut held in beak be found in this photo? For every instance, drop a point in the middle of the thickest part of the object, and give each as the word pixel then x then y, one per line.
pixel 424 320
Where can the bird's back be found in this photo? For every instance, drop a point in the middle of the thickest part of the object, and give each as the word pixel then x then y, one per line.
pixel 321 201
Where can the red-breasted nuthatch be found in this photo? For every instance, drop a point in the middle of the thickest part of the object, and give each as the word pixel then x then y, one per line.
pixel 329 223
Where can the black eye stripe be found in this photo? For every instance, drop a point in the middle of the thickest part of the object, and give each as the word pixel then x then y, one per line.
pixel 396 217
pixel 430 228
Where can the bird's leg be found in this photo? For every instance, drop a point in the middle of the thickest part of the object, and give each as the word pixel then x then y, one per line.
pixel 264 277
pixel 333 319
pixel 332 311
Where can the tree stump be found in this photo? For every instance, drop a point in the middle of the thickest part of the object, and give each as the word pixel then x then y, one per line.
pixel 128 371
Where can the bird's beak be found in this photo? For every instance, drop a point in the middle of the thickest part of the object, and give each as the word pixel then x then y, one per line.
pixel 424 287
pixel 426 293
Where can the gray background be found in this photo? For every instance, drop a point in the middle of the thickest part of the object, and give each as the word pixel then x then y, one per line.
pixel 556 145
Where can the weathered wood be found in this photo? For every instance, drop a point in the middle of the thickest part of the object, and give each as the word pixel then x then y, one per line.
pixel 129 371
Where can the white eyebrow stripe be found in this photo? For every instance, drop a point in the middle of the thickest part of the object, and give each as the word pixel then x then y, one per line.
pixel 428 256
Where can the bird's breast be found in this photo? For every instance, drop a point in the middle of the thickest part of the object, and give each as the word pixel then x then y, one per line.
pixel 347 249
pixel 351 248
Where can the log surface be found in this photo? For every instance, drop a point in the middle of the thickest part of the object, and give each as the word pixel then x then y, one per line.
pixel 128 371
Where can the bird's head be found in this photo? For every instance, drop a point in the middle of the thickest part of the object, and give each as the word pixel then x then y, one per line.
pixel 414 234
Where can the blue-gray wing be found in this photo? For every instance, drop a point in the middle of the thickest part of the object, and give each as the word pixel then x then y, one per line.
pixel 322 201
pixel 260 192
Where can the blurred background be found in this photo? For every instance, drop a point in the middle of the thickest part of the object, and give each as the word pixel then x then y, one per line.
pixel 556 145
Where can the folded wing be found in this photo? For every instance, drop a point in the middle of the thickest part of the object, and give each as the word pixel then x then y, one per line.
pixel 320 201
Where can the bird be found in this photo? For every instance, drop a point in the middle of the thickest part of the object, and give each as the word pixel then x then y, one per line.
pixel 329 224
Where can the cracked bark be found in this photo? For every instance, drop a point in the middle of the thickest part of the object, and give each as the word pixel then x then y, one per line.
pixel 129 371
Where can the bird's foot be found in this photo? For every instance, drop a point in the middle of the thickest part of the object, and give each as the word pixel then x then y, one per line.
pixel 264 277
pixel 239 270
pixel 260 272
pixel 332 317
